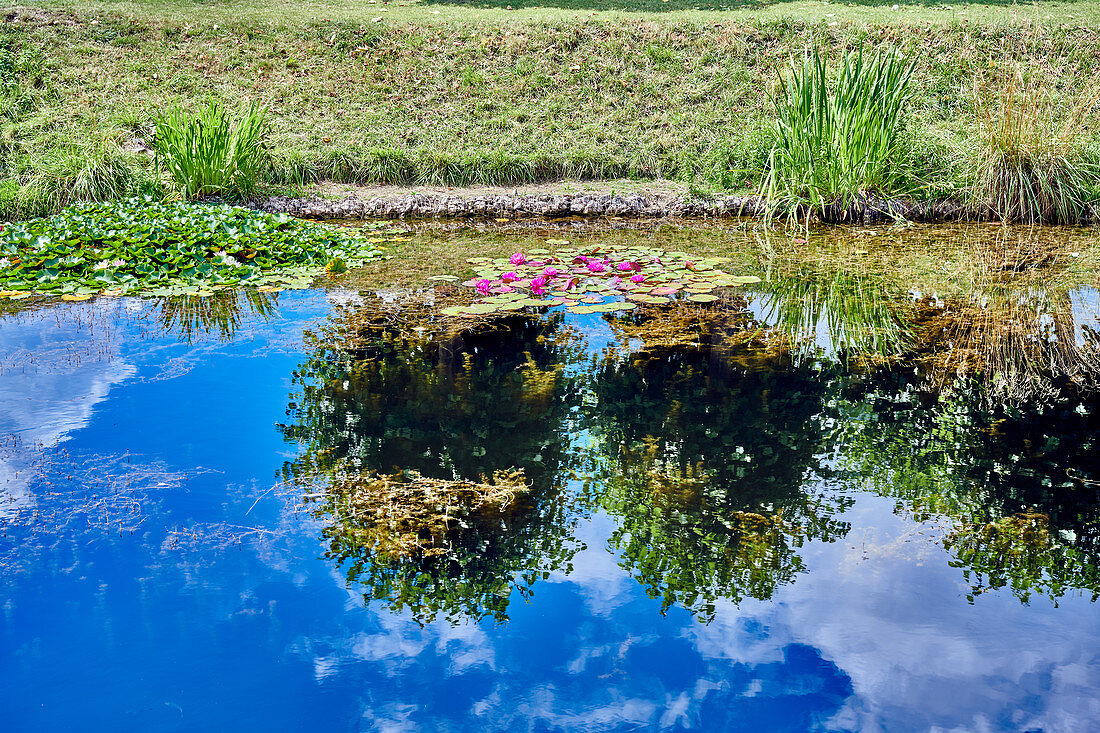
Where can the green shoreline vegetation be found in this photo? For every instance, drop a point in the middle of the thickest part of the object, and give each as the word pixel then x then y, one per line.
pixel 451 94
pixel 142 246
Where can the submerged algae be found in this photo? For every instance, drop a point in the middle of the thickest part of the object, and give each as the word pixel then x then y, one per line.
pixel 405 515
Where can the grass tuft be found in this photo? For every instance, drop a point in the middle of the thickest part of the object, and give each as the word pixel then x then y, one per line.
pixel 837 144
pixel 208 155
pixel 1031 159
pixel 92 172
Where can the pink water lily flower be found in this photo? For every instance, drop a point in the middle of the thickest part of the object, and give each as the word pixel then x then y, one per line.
pixel 550 272
pixel 483 286
pixel 517 259
pixel 626 266
pixel 538 286
pixel 509 277
pixel 596 267
pixel 637 278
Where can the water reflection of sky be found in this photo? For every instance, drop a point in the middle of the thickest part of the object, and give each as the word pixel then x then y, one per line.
pixel 1085 303
pixel 179 626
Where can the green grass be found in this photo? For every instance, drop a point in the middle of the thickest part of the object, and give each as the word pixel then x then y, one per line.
pixel 480 94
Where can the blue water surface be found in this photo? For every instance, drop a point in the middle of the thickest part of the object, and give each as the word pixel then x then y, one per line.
pixel 156 577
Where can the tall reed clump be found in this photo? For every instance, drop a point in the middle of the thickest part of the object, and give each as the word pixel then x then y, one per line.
pixel 1030 160
pixel 837 144
pixel 208 154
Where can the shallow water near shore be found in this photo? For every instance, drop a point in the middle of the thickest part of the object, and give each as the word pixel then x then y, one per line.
pixel 752 515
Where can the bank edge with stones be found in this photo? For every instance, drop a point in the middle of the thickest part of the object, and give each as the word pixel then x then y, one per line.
pixel 430 205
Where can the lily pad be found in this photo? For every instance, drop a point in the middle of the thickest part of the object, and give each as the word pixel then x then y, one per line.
pixel 480 309
pixel 702 298
pixel 143 246
pixel 612 307
pixel 594 279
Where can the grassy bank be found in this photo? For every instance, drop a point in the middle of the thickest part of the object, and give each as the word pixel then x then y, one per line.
pixel 448 94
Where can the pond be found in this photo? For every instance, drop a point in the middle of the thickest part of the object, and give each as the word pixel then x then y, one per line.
pixel 860 494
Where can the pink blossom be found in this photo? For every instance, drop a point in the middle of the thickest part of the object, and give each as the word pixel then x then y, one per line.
pixel 538 286
pixel 626 266
pixel 509 277
pixel 580 258
pixel 517 259
pixel 550 272
pixel 483 286
pixel 595 267
pixel 637 278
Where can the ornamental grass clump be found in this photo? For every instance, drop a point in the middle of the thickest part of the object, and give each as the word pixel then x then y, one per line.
pixel 836 144
pixel 207 154
pixel 1030 160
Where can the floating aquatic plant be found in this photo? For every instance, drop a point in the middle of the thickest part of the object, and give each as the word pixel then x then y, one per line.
pixel 143 246
pixel 593 281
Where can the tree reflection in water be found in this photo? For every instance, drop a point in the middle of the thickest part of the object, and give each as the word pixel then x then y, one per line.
pixel 706 439
pixel 704 434
pixel 1019 487
pixel 386 391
